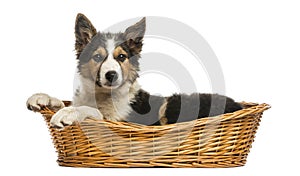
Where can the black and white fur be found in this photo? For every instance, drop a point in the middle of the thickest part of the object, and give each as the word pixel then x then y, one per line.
pixel 108 65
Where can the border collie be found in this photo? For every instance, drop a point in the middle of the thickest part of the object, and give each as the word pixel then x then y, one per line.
pixel 108 65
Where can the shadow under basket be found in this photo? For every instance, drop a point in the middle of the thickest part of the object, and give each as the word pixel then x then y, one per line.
pixel 213 142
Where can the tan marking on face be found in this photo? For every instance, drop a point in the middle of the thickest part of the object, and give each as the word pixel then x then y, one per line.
pixel 128 70
pixel 119 50
pixel 101 51
pixel 90 69
pixel 125 66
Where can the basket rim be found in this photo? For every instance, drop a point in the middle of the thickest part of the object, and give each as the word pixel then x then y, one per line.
pixel 250 108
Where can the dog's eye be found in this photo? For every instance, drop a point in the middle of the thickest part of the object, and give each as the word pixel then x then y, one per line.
pixel 121 57
pixel 97 58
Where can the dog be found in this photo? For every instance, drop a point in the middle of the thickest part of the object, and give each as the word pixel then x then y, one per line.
pixel 108 65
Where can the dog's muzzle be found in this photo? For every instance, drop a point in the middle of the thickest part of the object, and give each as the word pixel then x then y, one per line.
pixel 111 79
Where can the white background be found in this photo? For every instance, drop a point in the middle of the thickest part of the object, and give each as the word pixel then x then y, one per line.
pixel 257 43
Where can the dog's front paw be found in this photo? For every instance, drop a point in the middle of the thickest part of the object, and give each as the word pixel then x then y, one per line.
pixel 69 115
pixel 64 117
pixel 37 101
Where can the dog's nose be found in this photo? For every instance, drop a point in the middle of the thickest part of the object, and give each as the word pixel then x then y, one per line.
pixel 111 76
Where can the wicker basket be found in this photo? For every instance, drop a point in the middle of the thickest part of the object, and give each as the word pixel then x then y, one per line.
pixel 221 141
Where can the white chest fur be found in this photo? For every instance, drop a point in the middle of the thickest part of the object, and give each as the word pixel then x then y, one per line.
pixel 113 104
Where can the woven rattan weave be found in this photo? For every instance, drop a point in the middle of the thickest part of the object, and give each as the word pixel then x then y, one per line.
pixel 221 141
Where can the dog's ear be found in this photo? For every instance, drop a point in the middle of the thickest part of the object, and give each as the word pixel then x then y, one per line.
pixel 134 35
pixel 84 32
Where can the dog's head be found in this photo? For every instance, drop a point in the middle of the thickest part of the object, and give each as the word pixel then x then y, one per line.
pixel 108 59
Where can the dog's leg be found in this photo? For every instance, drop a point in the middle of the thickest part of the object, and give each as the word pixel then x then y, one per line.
pixel 163 120
pixel 69 115
pixel 37 101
